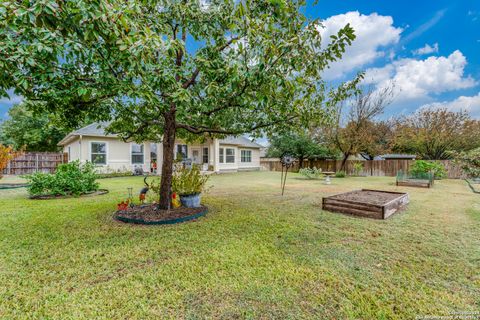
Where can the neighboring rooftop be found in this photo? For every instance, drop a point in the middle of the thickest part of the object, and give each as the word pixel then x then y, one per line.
pixel 97 129
pixel 396 156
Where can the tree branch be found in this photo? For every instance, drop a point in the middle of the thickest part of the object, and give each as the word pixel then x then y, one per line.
pixel 200 130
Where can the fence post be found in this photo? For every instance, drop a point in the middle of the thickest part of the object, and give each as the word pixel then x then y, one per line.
pixel 36 162
pixel 9 167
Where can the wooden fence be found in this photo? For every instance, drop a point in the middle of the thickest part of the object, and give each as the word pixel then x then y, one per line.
pixel 387 168
pixel 31 162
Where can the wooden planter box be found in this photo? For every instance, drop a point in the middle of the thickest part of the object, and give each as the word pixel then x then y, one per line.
pixel 414 183
pixel 374 204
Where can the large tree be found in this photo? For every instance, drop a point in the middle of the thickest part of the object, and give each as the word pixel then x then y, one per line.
pixel 30 131
pixel 435 133
pixel 161 69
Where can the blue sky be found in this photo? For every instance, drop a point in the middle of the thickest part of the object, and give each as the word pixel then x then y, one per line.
pixel 429 49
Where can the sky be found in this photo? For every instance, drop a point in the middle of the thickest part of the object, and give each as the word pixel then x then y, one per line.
pixel 430 50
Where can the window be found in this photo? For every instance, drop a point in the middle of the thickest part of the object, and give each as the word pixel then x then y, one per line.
pixel 205 155
pixel 182 151
pixel 137 153
pixel 99 153
pixel 230 155
pixel 221 155
pixel 246 156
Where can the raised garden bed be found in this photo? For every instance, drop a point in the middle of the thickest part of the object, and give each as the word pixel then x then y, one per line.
pixel 419 183
pixel 151 215
pixel 52 196
pixel 374 204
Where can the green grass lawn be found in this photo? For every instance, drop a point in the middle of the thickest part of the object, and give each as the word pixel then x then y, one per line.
pixel 255 255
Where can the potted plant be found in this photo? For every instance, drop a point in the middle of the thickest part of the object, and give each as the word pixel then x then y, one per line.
pixel 189 183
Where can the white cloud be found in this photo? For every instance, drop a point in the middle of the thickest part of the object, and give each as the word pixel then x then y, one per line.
pixel 374 32
pixel 469 104
pixel 427 49
pixel 419 79
pixel 14 99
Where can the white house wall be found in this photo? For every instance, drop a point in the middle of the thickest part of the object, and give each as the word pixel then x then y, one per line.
pixel 119 154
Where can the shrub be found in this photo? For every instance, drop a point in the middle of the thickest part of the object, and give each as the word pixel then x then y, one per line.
pixel 70 179
pixel 357 168
pixel 422 167
pixel 187 181
pixel 340 174
pixel 311 173
pixel 469 162
pixel 6 154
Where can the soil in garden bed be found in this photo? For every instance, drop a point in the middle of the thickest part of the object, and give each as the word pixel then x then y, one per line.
pixel 367 196
pixel 150 213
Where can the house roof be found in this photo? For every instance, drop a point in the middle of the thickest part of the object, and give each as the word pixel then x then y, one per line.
pixel 240 141
pixel 97 129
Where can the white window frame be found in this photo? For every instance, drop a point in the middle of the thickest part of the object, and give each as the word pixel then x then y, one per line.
pixel 227 156
pixel 90 153
pixel 221 155
pixel 242 156
pixel 69 153
pixel 131 153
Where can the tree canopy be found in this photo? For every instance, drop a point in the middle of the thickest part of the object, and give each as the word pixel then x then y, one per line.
pixel 299 145
pixel 29 131
pixel 162 69
pixel 436 133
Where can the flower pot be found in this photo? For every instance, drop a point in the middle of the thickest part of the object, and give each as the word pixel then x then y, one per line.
pixel 190 200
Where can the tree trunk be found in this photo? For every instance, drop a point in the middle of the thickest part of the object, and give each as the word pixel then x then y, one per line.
pixel 344 161
pixel 300 162
pixel 167 166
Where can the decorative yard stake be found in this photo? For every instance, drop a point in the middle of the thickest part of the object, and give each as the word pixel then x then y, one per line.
pixel 287 162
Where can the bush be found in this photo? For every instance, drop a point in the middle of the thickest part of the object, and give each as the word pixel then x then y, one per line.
pixel 422 167
pixel 340 174
pixel 6 154
pixel 469 162
pixel 189 181
pixel 70 179
pixel 311 173
pixel 357 168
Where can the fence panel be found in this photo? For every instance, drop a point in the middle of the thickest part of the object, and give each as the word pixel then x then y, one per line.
pixel 378 168
pixel 31 162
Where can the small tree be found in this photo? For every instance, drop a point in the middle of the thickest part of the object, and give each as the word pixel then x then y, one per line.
pixel 7 153
pixel 161 70
pixel 299 145
pixel 355 130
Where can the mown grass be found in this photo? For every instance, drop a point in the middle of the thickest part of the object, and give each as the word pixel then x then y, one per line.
pixel 255 255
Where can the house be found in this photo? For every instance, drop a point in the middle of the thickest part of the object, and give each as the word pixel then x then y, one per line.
pixel 396 156
pixel 110 153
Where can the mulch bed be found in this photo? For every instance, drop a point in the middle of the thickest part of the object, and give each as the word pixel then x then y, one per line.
pixel 150 214
pixel 52 196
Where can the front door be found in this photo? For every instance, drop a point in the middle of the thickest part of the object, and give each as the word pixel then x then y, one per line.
pixel 196 156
